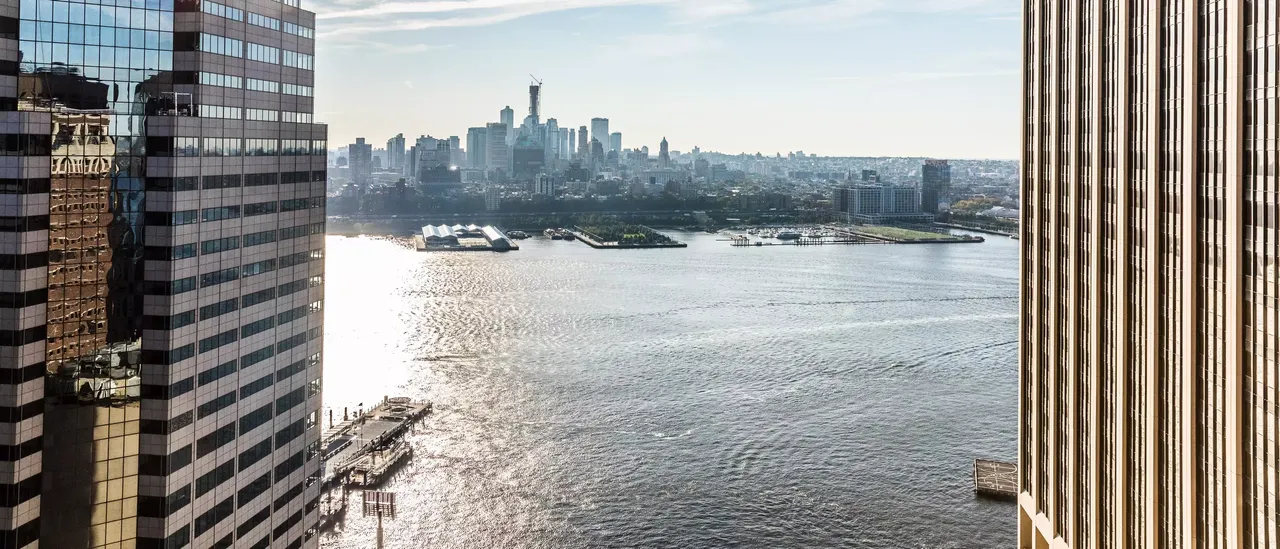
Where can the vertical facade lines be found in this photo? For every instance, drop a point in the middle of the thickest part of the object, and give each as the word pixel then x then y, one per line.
pixel 1151 308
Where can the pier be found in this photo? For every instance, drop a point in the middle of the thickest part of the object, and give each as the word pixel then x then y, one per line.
pixel 347 444
pixel 995 479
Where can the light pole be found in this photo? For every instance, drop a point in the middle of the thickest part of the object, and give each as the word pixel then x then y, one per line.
pixel 379 503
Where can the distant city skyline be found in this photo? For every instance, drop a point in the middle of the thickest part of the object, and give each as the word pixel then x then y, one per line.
pixel 932 78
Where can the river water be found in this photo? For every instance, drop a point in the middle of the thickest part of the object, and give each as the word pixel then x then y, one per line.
pixel 828 396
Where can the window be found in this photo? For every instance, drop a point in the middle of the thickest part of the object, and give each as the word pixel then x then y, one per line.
pixel 213 516
pixel 262 85
pixel 218 277
pixel 220 80
pixel 297 89
pixel 297 60
pixel 171 219
pixel 294 177
pixel 265 54
pixel 260 147
pixel 255 419
pixel 290 342
pixel 262 115
pixel 293 463
pixel 217 372
pixel 255 239
pixel 255 454
pixel 294 147
pixel 257 356
pixel 221 146
pixel 316 281
pixel 219 245
pixel 295 204
pixel 259 267
pixel 296 117
pixel 260 208
pixel 218 309
pixel 294 232
pixel 291 315
pixel 264 21
pixel 220 213
pixel 294 430
pixel 214 406
pixel 186 146
pixel 257 327
pixel 299 30
pixel 293 259
pixel 220 10
pixel 319 147
pixel 171 184
pixel 215 440
pixel 291 370
pixel 256 386
pixel 221 45
pixel 258 297
pixel 211 182
pixel 181 251
pixel 182 286
pixel 260 179
pixel 291 287
pixel 218 111
pixel 213 342
pixel 254 489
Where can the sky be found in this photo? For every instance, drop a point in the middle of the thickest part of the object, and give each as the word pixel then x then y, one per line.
pixel 936 78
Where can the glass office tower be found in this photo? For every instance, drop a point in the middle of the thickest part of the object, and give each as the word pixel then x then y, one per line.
pixel 161 274
pixel 1149 400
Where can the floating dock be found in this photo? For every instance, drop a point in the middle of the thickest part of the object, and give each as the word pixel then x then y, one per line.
pixel 995 479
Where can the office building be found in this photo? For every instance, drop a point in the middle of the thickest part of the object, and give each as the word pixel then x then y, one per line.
pixel 544 185
pixel 600 131
pixel 477 146
pixel 1148 362
pixel 664 154
pixel 879 204
pixel 615 142
pixel 571 151
pixel 552 140
pixel 455 151
pixel 935 186
pixel 498 154
pixel 395 153
pixel 508 117
pixel 161 277
pixel 360 158
pixel 566 137
pixel 584 143
pixel 535 103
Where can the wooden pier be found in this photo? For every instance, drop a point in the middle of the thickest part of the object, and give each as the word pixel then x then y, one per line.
pixel 346 445
pixel 995 479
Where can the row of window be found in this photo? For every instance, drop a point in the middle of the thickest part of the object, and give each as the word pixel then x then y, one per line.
pixel 231 47
pixel 214 8
pixel 219 111
pixel 193 183
pixel 262 85
pixel 264 21
pixel 91 13
pixel 297 89
pixel 234 146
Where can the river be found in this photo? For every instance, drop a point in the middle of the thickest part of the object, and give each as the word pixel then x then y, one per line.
pixel 826 396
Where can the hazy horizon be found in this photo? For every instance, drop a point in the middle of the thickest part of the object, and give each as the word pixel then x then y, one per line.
pixel 837 78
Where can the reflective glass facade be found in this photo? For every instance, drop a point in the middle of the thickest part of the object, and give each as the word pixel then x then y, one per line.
pixel 165 371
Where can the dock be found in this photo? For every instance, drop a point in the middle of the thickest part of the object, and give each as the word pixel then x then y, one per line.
pixel 345 445
pixel 368 470
pixel 995 479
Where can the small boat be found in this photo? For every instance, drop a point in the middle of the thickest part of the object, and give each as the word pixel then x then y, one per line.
pixel 788 235
pixel 1014 237
pixel 518 235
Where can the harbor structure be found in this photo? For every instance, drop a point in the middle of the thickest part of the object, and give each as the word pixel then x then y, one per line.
pixel 1148 381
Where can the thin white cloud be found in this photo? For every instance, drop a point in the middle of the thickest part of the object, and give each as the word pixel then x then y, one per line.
pixel 356 17
pixel 920 76
pixel 656 46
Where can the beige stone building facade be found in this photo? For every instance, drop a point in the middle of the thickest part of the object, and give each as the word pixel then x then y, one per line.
pixel 1151 230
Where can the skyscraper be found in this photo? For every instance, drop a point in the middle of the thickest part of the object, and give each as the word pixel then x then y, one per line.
pixel 477 147
pixel 935 186
pixel 455 150
pixel 161 277
pixel 360 158
pixel 615 142
pixel 600 130
pixel 664 154
pixel 395 153
pixel 508 117
pixel 573 142
pixel 535 102
pixel 566 137
pixel 584 143
pixel 498 155
pixel 1148 360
